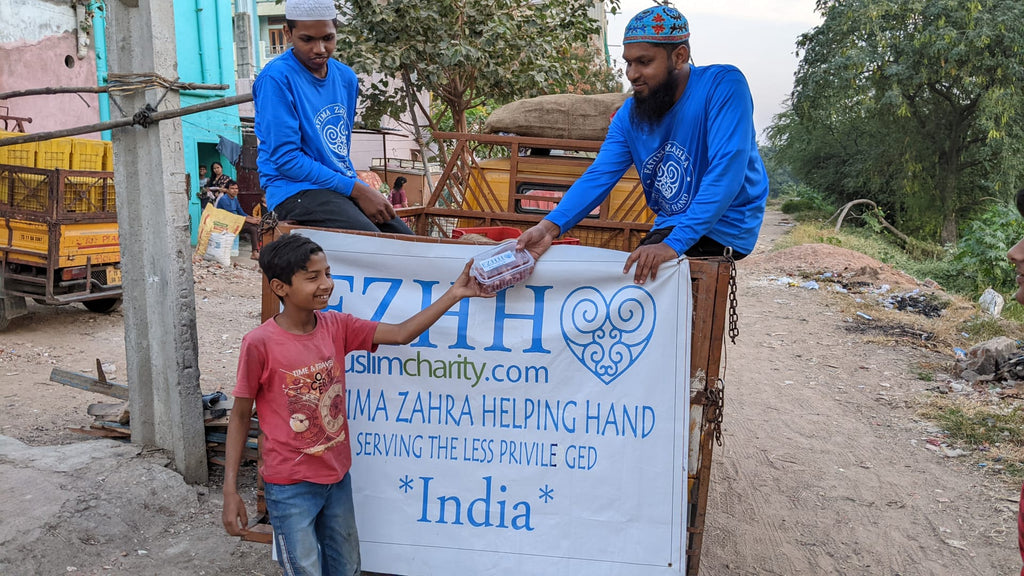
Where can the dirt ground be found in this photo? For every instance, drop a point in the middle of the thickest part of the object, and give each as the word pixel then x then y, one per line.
pixel 823 470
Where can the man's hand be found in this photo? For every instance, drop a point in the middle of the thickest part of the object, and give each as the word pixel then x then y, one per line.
pixel 234 517
pixel 538 239
pixel 372 203
pixel 647 259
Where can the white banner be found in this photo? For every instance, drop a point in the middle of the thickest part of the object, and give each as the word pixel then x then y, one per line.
pixel 540 432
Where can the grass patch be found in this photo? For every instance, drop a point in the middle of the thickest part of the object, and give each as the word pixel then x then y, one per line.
pixel 996 431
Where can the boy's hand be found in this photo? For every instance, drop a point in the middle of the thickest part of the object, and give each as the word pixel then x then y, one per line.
pixel 234 516
pixel 466 285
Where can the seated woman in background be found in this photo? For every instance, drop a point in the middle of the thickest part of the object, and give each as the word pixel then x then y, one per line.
pixel 218 183
pixel 398 199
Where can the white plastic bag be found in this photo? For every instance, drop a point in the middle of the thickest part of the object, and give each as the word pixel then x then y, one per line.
pixel 219 246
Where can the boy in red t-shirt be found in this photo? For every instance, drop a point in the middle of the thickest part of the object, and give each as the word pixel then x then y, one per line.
pixel 293 368
pixel 1016 257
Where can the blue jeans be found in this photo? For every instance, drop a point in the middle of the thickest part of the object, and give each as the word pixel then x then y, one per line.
pixel 314 528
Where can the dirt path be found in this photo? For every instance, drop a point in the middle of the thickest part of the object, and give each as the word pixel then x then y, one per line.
pixel 823 470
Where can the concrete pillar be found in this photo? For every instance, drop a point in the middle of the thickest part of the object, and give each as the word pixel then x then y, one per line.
pixel 243 58
pixel 156 258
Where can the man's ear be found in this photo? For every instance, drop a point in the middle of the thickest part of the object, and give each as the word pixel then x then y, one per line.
pixel 278 287
pixel 680 57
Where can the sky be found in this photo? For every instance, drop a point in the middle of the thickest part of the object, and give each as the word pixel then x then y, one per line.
pixel 756 36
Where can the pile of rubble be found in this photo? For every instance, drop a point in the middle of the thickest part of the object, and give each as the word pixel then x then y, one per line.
pixel 998 362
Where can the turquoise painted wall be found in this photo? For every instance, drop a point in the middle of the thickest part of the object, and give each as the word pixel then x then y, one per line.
pixel 206 54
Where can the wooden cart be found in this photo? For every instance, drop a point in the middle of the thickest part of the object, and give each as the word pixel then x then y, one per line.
pixel 466 196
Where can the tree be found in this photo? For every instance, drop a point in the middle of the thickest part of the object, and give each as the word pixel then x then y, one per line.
pixel 914 103
pixel 468 52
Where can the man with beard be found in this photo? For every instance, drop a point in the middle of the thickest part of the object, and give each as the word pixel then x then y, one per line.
pixel 689 131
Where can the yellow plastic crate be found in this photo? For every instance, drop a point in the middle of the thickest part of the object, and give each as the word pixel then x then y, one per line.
pixel 88 154
pixel 108 156
pixel 18 154
pixel 29 192
pixel 53 154
pixel 88 194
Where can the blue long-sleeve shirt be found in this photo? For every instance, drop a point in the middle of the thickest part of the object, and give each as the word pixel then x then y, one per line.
pixel 304 127
pixel 226 202
pixel 700 167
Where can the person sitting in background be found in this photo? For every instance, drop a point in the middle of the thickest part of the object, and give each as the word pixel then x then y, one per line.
pixel 261 207
pixel 218 183
pixel 251 229
pixel 398 198
pixel 203 192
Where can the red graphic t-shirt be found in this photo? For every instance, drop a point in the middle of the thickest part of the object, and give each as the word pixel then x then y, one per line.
pixel 298 383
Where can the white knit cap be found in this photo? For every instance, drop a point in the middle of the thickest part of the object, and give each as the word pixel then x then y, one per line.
pixel 310 10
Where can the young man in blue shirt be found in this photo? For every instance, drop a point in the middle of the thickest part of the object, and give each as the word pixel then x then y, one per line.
pixel 251 229
pixel 689 130
pixel 305 107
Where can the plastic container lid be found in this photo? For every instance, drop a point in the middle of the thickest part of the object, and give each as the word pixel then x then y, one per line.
pixel 502 266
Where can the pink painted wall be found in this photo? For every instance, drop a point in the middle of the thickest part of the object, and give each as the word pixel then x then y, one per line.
pixel 40 65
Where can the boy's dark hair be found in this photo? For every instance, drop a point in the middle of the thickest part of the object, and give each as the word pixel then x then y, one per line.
pixel 230 184
pixel 286 256
pixel 1019 201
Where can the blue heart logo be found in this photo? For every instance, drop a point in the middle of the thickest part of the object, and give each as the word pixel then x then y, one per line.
pixel 608 335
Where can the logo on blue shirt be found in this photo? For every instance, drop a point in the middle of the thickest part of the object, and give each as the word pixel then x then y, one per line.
pixel 667 176
pixel 332 124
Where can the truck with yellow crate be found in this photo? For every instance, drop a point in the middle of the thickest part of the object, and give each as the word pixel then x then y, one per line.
pixel 59 241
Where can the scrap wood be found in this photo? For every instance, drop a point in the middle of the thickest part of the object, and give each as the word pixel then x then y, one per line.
pixel 110 412
pixel 262 533
pixel 219 438
pixel 88 383
pixel 100 432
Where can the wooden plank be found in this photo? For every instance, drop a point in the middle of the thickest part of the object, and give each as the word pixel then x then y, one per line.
pixel 108 411
pixel 261 533
pixel 100 432
pixel 88 383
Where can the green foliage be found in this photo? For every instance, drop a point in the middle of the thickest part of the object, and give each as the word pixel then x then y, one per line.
pixel 468 52
pixel 981 252
pixel 780 176
pixel 804 203
pixel 915 104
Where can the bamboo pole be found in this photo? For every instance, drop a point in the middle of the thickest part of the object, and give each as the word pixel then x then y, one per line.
pixel 121 123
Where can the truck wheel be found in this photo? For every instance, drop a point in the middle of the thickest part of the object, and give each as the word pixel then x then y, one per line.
pixel 4 320
pixel 103 305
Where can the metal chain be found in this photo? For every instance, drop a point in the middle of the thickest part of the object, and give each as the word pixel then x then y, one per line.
pixel 716 402
pixel 734 317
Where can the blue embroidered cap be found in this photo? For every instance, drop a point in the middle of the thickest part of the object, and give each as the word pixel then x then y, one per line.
pixel 659 25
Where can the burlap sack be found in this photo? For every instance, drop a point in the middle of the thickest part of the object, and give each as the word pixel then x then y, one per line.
pixel 557 116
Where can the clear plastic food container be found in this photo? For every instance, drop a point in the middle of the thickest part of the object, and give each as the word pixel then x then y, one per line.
pixel 502 266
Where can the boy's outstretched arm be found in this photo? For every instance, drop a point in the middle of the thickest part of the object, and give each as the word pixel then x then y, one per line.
pixel 234 517
pixel 465 286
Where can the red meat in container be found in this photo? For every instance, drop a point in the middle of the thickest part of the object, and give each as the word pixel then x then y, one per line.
pixel 502 266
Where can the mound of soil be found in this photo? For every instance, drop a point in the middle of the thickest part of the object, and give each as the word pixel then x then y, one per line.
pixel 816 259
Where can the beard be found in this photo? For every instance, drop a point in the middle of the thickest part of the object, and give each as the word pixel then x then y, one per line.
pixel 648 110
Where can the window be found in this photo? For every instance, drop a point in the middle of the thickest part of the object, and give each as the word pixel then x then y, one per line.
pixel 530 199
pixel 278 44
